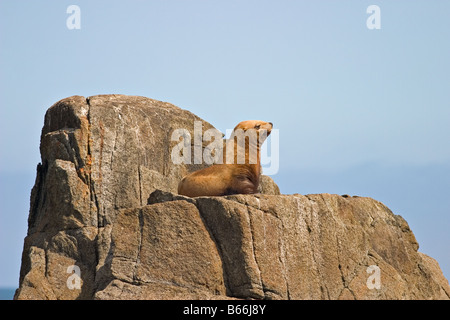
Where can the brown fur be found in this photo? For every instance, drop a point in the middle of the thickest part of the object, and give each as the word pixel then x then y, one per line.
pixel 223 179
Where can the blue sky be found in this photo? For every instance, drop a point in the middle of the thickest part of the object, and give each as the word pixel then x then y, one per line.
pixel 360 112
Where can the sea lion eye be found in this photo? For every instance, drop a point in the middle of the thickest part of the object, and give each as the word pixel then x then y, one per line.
pixel 257 126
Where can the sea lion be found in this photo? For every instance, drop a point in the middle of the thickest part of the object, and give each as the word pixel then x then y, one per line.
pixel 237 175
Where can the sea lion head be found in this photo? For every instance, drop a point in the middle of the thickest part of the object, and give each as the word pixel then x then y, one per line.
pixel 254 131
pixel 257 125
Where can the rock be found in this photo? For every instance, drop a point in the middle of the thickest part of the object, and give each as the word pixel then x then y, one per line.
pixel 268 186
pixel 148 244
pixel 105 222
pixel 99 155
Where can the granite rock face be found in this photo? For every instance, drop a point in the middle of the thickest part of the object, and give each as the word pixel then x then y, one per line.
pixel 105 222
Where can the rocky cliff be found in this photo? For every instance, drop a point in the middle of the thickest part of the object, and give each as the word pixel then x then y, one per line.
pixel 105 222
